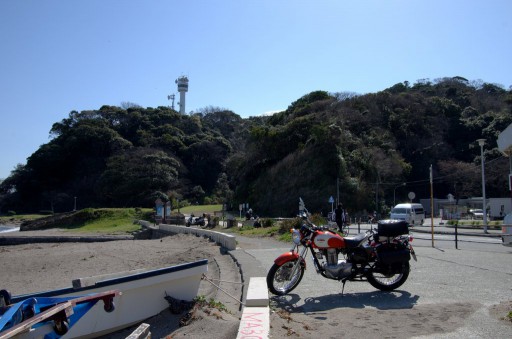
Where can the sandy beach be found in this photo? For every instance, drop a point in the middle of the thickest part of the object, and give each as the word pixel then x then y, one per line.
pixel 45 266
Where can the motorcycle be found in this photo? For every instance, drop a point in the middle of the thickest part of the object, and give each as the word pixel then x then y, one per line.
pixel 192 221
pixel 380 257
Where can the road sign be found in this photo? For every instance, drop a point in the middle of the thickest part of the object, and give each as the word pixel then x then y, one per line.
pixel 411 196
pixel 331 200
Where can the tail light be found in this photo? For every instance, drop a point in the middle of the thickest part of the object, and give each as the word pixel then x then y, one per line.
pixel 411 238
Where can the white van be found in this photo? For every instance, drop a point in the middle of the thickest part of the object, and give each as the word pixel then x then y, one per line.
pixel 413 214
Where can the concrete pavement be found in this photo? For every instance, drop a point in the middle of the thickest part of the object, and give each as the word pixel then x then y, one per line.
pixel 443 283
pixel 452 291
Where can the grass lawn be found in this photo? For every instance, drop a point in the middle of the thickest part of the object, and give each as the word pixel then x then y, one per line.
pixel 121 221
pixel 200 209
pixel 19 218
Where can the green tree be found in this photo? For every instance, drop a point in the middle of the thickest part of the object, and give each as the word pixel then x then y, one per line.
pixel 131 177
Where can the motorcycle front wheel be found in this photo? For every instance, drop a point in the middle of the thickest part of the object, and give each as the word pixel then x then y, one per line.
pixel 388 282
pixel 279 279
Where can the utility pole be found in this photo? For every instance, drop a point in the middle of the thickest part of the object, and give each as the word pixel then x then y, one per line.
pixel 432 205
pixel 481 142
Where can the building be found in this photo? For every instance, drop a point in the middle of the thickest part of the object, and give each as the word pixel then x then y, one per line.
pixel 450 208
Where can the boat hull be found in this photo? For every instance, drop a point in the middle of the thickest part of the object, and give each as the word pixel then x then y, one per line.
pixel 142 295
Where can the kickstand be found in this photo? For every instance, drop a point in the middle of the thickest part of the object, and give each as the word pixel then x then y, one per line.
pixel 343 288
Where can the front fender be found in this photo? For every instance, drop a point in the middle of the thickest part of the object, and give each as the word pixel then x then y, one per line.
pixel 288 256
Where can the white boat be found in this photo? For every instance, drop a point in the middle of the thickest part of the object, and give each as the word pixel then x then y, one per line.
pixel 141 296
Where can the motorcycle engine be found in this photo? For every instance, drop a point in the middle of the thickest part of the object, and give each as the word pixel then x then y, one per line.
pixel 336 268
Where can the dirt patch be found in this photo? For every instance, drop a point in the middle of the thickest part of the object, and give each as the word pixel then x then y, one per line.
pixel 370 323
pixel 502 312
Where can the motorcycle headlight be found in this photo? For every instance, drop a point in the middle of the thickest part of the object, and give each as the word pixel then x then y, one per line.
pixel 296 237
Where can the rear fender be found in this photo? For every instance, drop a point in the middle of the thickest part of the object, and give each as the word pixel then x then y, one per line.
pixel 289 256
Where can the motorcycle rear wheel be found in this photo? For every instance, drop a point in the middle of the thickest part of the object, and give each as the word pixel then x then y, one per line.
pixel 279 281
pixel 388 282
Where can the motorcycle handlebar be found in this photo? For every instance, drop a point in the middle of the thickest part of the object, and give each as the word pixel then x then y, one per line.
pixel 306 229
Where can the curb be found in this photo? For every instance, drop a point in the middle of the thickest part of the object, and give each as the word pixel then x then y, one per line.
pixel 249 267
pixel 255 320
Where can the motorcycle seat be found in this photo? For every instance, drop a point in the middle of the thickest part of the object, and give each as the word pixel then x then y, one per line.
pixel 354 241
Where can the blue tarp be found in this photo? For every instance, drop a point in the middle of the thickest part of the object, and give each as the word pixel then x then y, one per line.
pixel 14 314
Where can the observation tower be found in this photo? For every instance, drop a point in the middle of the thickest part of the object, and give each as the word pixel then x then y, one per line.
pixel 182 88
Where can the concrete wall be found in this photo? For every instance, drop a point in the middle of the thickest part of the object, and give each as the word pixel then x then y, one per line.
pixel 225 240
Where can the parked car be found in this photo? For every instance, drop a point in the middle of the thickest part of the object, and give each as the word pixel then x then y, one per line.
pixel 412 214
pixel 476 213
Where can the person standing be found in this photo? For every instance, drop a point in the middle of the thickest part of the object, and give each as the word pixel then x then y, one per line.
pixel 339 216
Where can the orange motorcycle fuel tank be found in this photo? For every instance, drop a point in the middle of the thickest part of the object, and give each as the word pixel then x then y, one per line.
pixel 328 240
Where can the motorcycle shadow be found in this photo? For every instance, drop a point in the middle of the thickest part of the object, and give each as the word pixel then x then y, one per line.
pixel 381 300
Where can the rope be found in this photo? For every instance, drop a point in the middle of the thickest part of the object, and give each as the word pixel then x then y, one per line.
pixel 229 282
pixel 204 277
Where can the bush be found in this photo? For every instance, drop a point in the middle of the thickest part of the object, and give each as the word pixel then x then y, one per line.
pixel 288 224
pixel 215 221
pixel 267 222
pixel 317 219
pixel 11 213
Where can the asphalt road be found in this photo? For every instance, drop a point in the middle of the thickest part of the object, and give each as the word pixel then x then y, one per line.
pixel 479 272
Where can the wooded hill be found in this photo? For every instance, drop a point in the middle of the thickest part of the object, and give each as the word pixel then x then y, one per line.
pixel 370 144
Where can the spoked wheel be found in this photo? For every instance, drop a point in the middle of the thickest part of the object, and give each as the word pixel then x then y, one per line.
pixel 388 282
pixel 280 280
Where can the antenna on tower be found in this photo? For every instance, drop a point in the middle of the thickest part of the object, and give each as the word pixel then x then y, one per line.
pixel 171 97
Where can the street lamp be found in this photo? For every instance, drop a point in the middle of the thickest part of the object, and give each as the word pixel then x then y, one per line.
pixel 481 142
pixel 394 191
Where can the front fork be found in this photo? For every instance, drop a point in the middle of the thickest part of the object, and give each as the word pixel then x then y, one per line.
pixel 302 255
pixel 292 255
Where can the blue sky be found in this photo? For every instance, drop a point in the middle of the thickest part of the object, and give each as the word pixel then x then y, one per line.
pixel 249 56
